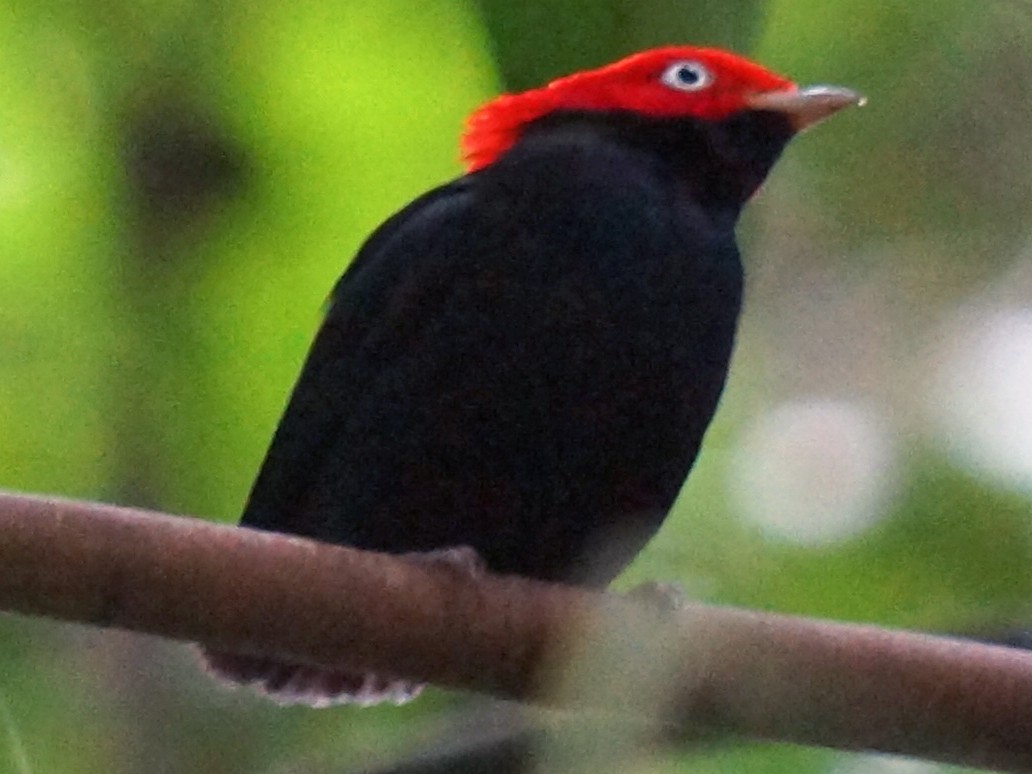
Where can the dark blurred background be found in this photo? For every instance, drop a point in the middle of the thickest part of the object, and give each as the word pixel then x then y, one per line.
pixel 181 183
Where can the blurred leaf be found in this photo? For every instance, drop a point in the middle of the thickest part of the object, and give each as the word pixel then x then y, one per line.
pixel 536 41
pixel 55 208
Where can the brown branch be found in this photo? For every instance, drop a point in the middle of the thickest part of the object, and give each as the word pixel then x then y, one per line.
pixel 704 668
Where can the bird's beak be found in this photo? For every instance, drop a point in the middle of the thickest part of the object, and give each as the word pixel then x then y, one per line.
pixel 806 107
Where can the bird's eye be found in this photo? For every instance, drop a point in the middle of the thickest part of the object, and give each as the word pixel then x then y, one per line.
pixel 687 76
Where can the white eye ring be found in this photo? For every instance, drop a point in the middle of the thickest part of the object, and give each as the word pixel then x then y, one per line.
pixel 687 76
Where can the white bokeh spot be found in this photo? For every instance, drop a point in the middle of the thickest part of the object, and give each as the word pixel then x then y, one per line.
pixel 884 764
pixel 814 471
pixel 982 395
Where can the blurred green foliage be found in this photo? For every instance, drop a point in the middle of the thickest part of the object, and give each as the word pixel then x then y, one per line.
pixel 182 182
pixel 536 40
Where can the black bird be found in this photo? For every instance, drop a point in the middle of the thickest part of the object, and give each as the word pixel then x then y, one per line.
pixel 524 361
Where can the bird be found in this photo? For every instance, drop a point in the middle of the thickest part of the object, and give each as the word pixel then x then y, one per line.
pixel 517 369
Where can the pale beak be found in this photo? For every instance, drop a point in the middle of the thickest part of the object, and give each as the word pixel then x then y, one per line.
pixel 806 107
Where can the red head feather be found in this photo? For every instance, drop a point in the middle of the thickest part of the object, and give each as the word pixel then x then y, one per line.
pixel 704 83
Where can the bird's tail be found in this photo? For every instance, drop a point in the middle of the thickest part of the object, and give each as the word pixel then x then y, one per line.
pixel 287 683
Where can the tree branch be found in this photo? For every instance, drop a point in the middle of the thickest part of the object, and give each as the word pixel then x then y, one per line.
pixel 698 670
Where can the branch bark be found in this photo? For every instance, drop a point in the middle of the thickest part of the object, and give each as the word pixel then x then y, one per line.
pixel 697 671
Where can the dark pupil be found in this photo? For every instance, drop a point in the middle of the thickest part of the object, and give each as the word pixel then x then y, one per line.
pixel 687 76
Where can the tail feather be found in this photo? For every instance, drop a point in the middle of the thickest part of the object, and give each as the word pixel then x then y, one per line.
pixel 287 683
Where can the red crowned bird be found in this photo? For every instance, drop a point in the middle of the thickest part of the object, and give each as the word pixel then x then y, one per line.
pixel 524 361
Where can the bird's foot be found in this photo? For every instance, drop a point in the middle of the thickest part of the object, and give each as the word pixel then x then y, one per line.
pixel 662 597
pixel 463 560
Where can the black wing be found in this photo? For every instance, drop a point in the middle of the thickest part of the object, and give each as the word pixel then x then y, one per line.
pixel 370 301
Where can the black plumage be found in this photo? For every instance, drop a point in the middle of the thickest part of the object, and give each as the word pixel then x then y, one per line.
pixel 525 360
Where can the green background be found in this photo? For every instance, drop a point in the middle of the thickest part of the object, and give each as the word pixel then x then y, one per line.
pixel 182 182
